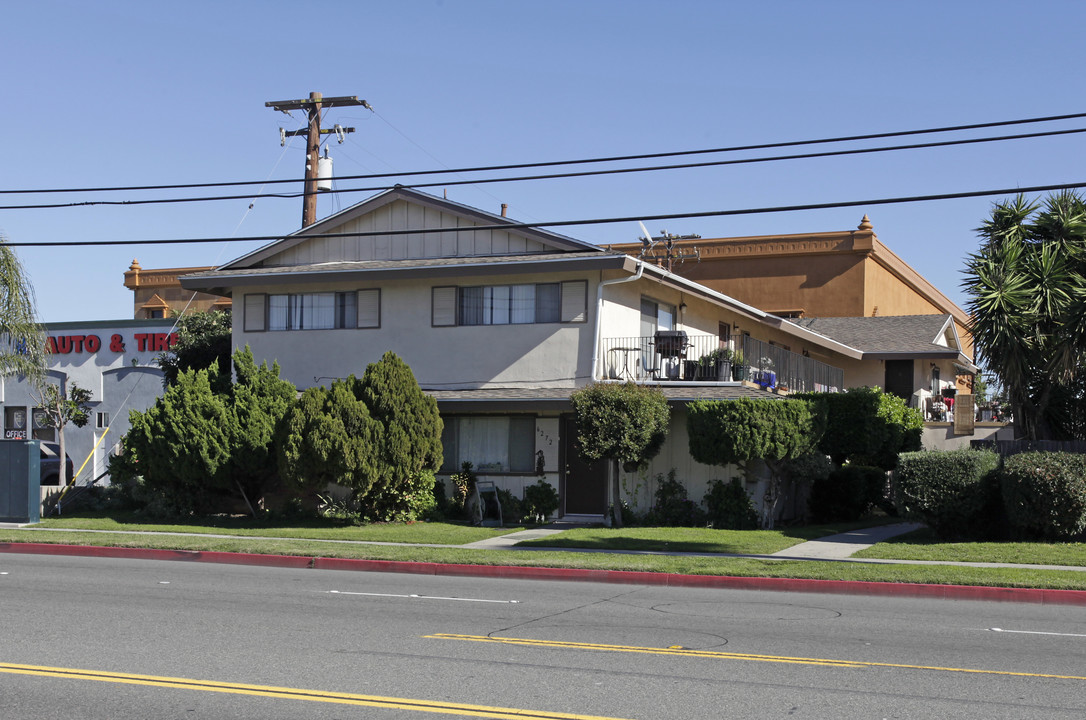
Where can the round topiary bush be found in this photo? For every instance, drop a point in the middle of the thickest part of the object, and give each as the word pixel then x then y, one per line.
pixel 1045 494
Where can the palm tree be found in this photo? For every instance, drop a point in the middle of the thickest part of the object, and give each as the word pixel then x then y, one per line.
pixel 1027 290
pixel 22 340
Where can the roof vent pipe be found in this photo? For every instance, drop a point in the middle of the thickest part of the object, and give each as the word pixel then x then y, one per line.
pixel 505 207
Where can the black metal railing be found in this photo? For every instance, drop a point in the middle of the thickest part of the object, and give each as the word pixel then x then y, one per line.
pixel 677 356
pixel 774 367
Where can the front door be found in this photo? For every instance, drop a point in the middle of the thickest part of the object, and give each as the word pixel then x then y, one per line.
pixel 584 485
pixel 899 378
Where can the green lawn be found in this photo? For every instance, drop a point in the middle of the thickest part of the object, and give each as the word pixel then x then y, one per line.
pixel 329 538
pixel 924 545
pixel 315 529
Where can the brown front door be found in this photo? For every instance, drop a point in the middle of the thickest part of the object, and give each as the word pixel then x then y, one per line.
pixel 584 485
pixel 899 378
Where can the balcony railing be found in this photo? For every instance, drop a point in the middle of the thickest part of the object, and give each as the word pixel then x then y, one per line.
pixel 677 357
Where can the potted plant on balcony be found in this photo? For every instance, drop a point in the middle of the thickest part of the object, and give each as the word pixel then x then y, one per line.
pixel 716 365
pixel 739 366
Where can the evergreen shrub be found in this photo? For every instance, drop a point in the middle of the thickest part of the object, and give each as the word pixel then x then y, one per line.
pixel 729 506
pixel 673 508
pixel 512 508
pixel 1044 494
pixel 954 492
pixel 540 501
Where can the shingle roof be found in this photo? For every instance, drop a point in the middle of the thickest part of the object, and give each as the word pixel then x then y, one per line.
pixel 404 264
pixel 412 267
pixel 559 397
pixel 912 334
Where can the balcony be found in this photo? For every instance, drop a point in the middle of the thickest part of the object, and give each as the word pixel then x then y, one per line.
pixel 674 356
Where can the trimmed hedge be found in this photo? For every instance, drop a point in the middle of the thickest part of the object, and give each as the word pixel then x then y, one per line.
pixel 866 426
pixel 1045 494
pixel 954 492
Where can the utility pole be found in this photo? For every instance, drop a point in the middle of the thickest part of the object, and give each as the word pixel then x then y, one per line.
pixel 313 133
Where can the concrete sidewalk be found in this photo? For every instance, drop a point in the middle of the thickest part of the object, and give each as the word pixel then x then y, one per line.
pixel 833 547
pixel 842 546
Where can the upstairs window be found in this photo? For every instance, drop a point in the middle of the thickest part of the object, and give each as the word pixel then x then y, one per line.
pixel 509 304
pixel 313 311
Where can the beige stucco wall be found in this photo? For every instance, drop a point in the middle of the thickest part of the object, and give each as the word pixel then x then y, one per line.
pixel 534 355
pixel 940 435
pixel 639 487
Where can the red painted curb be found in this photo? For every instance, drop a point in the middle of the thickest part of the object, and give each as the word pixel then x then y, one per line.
pixel 839 587
pixel 224 558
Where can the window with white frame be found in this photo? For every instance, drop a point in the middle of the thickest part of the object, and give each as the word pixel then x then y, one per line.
pixel 492 444
pixel 313 311
pixel 524 304
pixel 509 304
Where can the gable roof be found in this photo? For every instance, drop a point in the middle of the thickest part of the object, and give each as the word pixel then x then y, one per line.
pixel 220 280
pixel 500 399
pixel 474 216
pixel 893 337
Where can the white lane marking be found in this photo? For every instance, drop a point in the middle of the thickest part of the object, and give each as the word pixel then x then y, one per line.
pixel 1035 632
pixel 422 597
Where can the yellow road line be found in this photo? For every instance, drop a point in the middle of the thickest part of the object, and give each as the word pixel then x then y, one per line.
pixel 284 693
pixel 734 656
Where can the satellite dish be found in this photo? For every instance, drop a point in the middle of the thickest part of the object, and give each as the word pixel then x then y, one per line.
pixel 646 242
pixel 648 238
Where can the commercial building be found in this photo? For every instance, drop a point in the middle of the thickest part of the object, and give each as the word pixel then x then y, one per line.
pixel 156 293
pixel 115 361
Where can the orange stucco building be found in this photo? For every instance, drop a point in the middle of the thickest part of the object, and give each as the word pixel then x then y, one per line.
pixel 157 293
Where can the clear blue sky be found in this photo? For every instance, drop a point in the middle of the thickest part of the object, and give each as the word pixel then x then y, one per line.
pixel 135 93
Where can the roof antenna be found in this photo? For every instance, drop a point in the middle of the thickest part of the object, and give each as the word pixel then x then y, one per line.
pixel 648 243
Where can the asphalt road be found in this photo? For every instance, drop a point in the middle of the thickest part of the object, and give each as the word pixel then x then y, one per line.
pixel 80 636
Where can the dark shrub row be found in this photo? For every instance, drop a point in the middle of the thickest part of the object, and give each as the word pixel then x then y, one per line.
pixel 1044 494
pixel 969 494
pixel 955 493
pixel 847 493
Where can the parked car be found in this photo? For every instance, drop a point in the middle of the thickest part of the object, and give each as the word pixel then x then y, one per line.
pixel 50 464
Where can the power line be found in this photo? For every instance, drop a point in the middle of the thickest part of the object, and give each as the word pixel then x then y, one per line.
pixel 555 176
pixel 579 161
pixel 589 221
